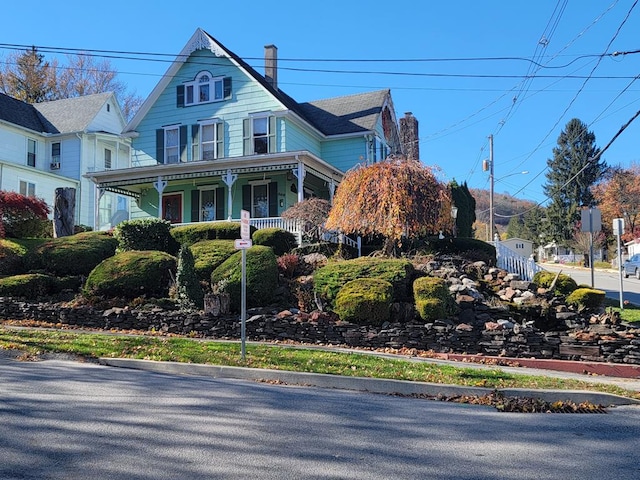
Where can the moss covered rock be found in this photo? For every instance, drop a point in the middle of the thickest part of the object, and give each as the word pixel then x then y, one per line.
pixel 132 274
pixel 564 284
pixel 365 301
pixel 586 298
pixel 432 298
pixel 76 254
pixel 261 276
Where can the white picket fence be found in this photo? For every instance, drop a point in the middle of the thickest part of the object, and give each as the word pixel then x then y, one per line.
pixel 512 262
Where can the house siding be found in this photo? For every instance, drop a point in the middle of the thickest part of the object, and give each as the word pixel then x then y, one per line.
pixel 345 153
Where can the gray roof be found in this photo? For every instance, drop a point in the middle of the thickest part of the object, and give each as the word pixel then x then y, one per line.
pixel 347 114
pixel 73 114
pixel 23 114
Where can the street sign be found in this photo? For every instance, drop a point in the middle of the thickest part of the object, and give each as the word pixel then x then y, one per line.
pixel 245 232
pixel 618 226
pixel 240 244
pixel 591 220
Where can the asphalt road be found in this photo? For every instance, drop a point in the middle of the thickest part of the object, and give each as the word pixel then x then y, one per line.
pixel 68 420
pixel 607 280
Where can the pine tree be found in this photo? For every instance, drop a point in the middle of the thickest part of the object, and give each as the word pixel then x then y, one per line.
pixel 575 167
pixel 466 204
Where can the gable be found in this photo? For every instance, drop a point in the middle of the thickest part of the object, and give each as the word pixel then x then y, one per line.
pixel 23 114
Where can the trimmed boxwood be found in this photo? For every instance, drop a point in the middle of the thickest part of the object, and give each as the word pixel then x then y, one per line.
pixel 11 257
pixel 132 274
pixel 76 254
pixel 329 279
pixel 365 301
pixel 145 234
pixel 208 254
pixel 261 275
pixel 29 285
pixel 564 285
pixel 190 234
pixel 586 298
pixel 432 298
pixel 282 241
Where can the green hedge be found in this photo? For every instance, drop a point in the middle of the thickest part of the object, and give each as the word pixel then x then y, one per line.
pixel 145 234
pixel 11 257
pixel 29 285
pixel 586 298
pixel 365 301
pixel 132 274
pixel 432 298
pixel 329 279
pixel 282 241
pixel 190 234
pixel 261 276
pixel 209 254
pixel 76 254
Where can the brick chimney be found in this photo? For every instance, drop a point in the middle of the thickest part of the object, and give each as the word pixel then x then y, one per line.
pixel 409 138
pixel 271 65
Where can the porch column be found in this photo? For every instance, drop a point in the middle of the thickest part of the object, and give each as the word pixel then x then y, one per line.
pixel 160 185
pixel 300 173
pixel 229 179
pixel 96 208
pixel 332 190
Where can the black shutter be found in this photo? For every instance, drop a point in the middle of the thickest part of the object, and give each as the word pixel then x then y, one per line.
pixel 273 199
pixel 183 143
pixel 195 205
pixel 180 96
pixel 160 145
pixel 219 203
pixel 246 197
pixel 227 87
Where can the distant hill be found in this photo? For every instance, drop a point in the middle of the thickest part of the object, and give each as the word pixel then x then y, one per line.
pixel 504 205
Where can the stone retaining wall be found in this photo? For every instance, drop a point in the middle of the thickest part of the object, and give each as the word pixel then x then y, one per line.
pixel 597 342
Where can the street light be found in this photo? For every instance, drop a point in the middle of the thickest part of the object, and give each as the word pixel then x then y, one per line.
pixel 454 215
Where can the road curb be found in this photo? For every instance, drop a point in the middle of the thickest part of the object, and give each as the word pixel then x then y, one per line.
pixel 362 384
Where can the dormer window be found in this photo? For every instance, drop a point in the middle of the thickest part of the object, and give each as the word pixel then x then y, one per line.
pixel 205 88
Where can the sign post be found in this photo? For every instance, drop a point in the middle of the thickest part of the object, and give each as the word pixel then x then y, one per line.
pixel 591 221
pixel 618 229
pixel 243 243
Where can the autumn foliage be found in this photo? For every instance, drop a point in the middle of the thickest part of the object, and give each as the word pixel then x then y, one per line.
pixel 311 214
pixel 618 196
pixel 396 198
pixel 19 213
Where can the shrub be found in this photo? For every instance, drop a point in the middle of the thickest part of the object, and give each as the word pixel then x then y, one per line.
pixel 287 264
pixel 29 285
pixel 76 254
pixel 399 272
pixel 145 234
pixel 564 284
pixel 208 254
pixel 22 216
pixel 11 257
pixel 280 240
pixel 190 234
pixel 188 287
pixel 586 298
pixel 261 276
pixel 132 274
pixel 432 298
pixel 365 301
pixel 466 247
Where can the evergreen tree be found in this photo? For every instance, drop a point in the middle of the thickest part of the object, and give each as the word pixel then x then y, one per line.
pixel 189 291
pixel 466 203
pixel 575 167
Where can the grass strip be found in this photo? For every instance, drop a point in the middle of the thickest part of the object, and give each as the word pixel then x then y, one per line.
pixel 176 349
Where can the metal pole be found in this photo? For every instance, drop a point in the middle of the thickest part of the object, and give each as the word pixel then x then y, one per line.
pixel 243 307
pixel 591 248
pixel 490 188
pixel 620 266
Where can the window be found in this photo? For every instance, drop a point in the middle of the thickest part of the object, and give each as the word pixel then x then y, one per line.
pixel 208 205
pixel 27 189
pixel 55 152
pixel 260 198
pixel 107 158
pixel 259 201
pixel 259 135
pixel 171 145
pixel 31 152
pixel 204 89
pixel 207 141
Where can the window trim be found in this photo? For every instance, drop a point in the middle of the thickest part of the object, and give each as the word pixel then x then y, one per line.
pixel 166 146
pixel 32 156
pixel 27 184
pixel 201 190
pixel 214 87
pixel 107 164
pixel 249 137
pixel 197 142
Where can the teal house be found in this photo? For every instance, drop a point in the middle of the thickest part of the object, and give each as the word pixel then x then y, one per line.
pixel 215 137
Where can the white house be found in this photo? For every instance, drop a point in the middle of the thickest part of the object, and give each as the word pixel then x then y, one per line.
pixel 50 145
pixel 519 246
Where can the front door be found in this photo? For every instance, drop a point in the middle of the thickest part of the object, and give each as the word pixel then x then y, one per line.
pixel 172 207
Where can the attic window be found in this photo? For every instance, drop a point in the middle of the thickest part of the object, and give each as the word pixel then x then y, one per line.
pixel 108 107
pixel 205 88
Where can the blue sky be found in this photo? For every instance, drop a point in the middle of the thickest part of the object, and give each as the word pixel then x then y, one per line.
pixel 470 81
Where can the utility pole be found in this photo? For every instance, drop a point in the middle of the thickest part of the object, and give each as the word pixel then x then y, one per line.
pixel 491 223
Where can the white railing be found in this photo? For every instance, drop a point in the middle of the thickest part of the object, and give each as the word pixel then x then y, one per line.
pixel 337 237
pixel 512 262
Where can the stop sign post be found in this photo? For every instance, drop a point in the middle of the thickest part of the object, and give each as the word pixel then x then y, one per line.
pixel 243 243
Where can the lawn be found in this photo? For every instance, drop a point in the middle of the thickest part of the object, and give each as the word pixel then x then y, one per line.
pixel 34 342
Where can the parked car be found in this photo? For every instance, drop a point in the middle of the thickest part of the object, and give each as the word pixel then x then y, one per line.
pixel 632 266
